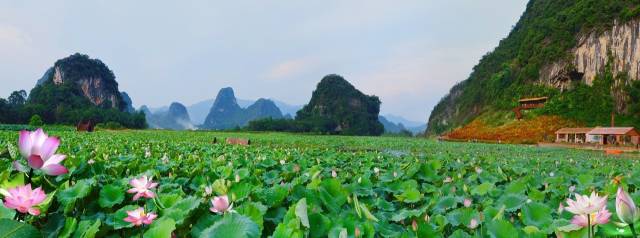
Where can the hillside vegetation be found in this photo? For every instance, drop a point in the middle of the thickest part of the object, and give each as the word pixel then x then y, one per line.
pixel 545 33
pixel 88 91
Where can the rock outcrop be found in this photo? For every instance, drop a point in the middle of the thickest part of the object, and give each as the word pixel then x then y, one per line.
pixel 619 47
pixel 556 49
pixel 92 77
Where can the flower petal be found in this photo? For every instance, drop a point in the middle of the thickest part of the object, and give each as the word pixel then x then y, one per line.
pixel 55 169
pixel 54 159
pixel 34 211
pixel 35 161
pixel 24 143
pixel 49 147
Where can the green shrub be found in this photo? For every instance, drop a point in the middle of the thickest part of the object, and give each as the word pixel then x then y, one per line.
pixel 36 120
pixel 111 125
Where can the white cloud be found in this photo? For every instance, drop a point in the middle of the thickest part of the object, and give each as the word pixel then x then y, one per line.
pixel 13 40
pixel 289 68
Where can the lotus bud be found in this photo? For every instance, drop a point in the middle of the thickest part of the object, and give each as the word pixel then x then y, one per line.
pixel 478 170
pixel 467 202
pixel 625 207
pixel 208 190
pixel 473 223
pixel 560 208
pixel 414 225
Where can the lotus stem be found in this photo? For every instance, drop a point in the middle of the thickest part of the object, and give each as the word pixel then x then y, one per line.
pixel 589 226
pixel 633 230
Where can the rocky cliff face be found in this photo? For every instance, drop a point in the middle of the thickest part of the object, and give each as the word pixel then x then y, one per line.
pixel 556 49
pixel 91 77
pixel 619 46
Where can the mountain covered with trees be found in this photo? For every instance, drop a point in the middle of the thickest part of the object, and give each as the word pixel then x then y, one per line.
pixel 225 113
pixel 581 54
pixel 336 107
pixel 74 89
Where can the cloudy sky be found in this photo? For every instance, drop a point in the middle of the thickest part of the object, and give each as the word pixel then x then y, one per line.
pixel 409 53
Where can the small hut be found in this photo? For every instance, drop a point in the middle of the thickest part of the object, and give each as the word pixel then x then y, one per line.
pixel 573 135
pixel 87 126
pixel 614 136
pixel 528 104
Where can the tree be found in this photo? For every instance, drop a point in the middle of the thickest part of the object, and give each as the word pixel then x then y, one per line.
pixel 36 121
pixel 18 98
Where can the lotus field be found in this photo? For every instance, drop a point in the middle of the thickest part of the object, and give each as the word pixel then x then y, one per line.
pixel 59 183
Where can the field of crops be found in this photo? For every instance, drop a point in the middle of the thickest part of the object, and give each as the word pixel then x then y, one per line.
pixel 286 185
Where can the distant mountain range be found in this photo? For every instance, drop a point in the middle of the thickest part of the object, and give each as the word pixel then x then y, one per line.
pixel 198 113
pixel 226 113
pixel 200 110
pixel 396 124
pixel 91 85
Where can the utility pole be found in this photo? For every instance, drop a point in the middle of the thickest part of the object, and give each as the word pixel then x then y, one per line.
pixel 613 119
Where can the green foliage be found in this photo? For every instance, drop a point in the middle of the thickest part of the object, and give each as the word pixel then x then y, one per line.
pixel 14 229
pixel 232 226
pixel 111 195
pixel 111 125
pixel 36 121
pixel 544 34
pixel 285 186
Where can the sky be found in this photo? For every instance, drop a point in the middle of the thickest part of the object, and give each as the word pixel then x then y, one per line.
pixel 409 53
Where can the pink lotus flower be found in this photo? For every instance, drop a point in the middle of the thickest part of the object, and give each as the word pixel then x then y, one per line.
pixel 586 205
pixel 625 207
pixel 142 187
pixel 39 150
pixel 473 224
pixel 138 217
pixel 467 202
pixel 23 199
pixel 220 204
pixel 599 218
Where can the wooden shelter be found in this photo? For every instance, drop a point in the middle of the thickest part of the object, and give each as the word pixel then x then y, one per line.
pixel 87 126
pixel 614 136
pixel 573 135
pixel 528 104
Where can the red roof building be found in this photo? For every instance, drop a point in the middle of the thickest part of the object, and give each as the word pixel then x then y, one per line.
pixel 615 135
